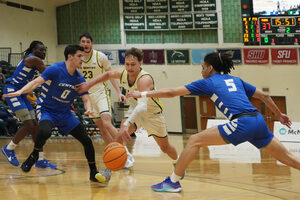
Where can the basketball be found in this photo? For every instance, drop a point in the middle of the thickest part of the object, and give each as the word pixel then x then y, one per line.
pixel 114 156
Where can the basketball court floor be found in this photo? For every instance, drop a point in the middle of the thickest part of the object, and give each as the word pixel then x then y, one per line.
pixel 223 172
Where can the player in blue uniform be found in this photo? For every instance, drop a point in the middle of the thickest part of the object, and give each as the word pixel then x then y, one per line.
pixel 230 95
pixel 57 94
pixel 26 70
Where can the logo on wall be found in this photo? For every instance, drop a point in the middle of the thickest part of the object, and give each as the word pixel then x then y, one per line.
pixel 178 56
pixel 154 57
pixel 284 56
pixel 256 56
pixel 282 131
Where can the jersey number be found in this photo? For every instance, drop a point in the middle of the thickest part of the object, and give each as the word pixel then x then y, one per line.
pixel 87 74
pixel 230 84
pixel 65 94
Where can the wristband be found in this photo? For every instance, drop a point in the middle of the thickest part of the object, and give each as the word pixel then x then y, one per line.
pixel 144 94
pixel 126 123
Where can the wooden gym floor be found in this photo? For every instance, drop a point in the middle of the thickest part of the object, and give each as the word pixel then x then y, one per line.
pixel 223 172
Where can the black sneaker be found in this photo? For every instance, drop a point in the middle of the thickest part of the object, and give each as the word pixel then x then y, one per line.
pixel 29 162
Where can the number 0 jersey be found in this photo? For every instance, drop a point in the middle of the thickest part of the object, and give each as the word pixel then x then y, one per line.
pixel 58 92
pixel 95 65
pixel 230 94
pixel 154 106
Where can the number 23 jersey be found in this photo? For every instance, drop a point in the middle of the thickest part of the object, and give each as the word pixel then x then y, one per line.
pixel 58 92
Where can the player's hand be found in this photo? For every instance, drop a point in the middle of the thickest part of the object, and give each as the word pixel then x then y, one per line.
pixel 122 98
pixel 89 113
pixel 285 120
pixel 123 133
pixel 134 94
pixel 13 94
pixel 81 88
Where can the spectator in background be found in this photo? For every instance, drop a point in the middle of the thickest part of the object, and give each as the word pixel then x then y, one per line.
pixel 8 122
pixel 2 80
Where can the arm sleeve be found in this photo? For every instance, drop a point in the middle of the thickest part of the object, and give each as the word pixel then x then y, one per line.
pixel 103 60
pixel 140 108
pixel 200 87
pixel 249 89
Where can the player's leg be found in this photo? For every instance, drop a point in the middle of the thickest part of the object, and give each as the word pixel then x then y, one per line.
pixel 107 137
pixel 45 129
pixel 207 137
pixel 166 147
pixel 279 152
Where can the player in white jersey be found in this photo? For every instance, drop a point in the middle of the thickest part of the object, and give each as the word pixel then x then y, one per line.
pixel 145 112
pixel 96 63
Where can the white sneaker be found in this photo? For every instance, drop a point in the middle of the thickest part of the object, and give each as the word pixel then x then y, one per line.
pixel 129 162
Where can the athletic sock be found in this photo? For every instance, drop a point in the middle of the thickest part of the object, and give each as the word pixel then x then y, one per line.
pixel 174 178
pixel 41 155
pixel 93 167
pixel 11 145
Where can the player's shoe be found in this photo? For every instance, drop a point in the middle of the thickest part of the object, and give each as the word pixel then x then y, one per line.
pixel 103 177
pixel 130 161
pixel 26 166
pixel 174 164
pixel 167 186
pixel 10 156
pixel 44 164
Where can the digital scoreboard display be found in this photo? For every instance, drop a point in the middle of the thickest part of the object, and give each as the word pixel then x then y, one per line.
pixel 271 30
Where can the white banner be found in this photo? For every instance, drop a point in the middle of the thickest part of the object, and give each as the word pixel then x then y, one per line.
pixel 243 153
pixel 284 134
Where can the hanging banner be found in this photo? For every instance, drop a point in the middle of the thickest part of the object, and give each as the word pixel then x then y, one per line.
pixel 236 54
pixel 256 56
pixel 199 54
pixel 154 57
pixel 284 56
pixel 178 56
pixel 112 56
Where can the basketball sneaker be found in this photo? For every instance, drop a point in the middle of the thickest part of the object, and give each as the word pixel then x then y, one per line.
pixel 44 164
pixel 130 161
pixel 28 163
pixel 10 156
pixel 167 186
pixel 104 176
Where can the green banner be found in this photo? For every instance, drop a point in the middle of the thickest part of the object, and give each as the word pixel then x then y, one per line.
pixel 134 22
pixel 204 5
pixel 156 6
pixel 180 5
pixel 178 56
pixel 157 22
pixel 206 20
pixel 181 21
pixel 133 6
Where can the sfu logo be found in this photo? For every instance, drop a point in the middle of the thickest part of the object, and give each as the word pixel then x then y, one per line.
pixel 256 54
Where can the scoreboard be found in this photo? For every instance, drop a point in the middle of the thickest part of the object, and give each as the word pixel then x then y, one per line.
pixel 271 30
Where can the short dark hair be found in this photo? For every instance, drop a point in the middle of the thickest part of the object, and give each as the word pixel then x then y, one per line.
pixel 72 49
pixel 135 52
pixel 87 35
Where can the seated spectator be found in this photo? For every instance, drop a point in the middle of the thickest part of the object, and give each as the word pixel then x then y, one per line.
pixel 8 122
pixel 2 78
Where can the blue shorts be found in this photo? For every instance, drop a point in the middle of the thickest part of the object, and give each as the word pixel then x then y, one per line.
pixel 65 122
pixel 247 128
pixel 18 102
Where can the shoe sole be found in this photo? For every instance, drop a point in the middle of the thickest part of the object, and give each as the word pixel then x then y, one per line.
pixel 3 152
pixel 167 190
pixel 101 178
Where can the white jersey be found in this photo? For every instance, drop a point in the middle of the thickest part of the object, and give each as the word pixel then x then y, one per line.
pixel 154 106
pixel 96 64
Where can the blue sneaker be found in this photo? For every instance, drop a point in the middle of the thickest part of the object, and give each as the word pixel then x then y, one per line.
pixel 167 186
pixel 10 156
pixel 44 164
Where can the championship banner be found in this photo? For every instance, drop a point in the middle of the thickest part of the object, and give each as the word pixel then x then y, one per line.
pixel 256 56
pixel 112 56
pixel 242 153
pixel 236 54
pixel 284 56
pixel 122 57
pixel 178 56
pixel 154 57
pixel 284 134
pixel 199 54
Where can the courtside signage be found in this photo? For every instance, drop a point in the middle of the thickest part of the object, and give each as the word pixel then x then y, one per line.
pixel 284 56
pixel 284 134
pixel 256 56
pixel 155 57
pixel 236 54
pixel 199 54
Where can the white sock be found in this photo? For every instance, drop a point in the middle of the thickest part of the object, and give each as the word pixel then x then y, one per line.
pixel 11 145
pixel 41 155
pixel 174 178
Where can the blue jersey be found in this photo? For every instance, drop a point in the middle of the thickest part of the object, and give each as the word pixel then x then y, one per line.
pixel 58 92
pixel 230 94
pixel 22 75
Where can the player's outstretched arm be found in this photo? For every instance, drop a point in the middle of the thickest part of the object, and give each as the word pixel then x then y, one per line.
pixel 283 118
pixel 87 105
pixel 162 93
pixel 29 87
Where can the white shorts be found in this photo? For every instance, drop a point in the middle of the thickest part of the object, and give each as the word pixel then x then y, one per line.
pixel 101 103
pixel 155 124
